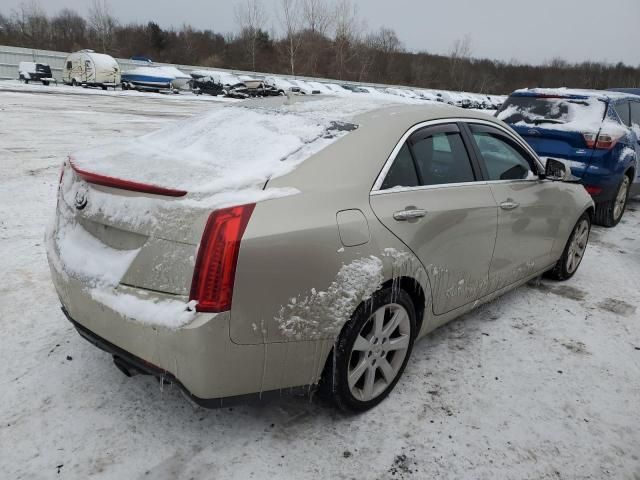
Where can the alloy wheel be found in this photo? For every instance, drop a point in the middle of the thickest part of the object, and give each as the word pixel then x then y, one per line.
pixel 621 199
pixel 379 351
pixel 578 246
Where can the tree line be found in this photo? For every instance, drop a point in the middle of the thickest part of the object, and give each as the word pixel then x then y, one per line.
pixel 317 38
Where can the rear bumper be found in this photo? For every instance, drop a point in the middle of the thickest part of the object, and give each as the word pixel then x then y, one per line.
pixel 141 366
pixel 200 357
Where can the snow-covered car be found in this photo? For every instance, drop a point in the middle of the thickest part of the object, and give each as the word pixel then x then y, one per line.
pixel 313 254
pixel 353 88
pixel 282 85
pixel 305 87
pixel 35 72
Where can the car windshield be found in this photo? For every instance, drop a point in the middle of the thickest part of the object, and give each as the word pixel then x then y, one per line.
pixel 530 110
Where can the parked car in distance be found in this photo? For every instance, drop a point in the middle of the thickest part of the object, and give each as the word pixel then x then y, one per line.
pixel 353 88
pixel 91 69
pixel 282 85
pixel 235 267
pixel 35 72
pixel 305 87
pixel 597 131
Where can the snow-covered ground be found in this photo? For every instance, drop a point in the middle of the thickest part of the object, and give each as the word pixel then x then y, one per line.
pixel 542 383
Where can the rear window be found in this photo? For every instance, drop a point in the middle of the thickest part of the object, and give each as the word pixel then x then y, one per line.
pixel 550 111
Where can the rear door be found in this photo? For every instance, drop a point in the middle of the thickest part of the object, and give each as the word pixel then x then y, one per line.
pixel 530 210
pixel 433 199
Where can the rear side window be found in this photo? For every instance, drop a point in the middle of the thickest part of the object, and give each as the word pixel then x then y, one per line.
pixel 68 65
pixel 504 161
pixel 442 158
pixel 432 156
pixel 403 172
pixel 548 111
pixel 622 109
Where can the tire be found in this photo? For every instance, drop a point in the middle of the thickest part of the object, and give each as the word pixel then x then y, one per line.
pixel 574 250
pixel 104 87
pixel 360 351
pixel 74 83
pixel 608 214
pixel 45 83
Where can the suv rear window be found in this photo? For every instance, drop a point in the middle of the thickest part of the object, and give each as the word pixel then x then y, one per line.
pixel 549 111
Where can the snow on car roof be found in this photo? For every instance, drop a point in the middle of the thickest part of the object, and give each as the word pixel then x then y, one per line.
pixel 231 147
pixel 575 92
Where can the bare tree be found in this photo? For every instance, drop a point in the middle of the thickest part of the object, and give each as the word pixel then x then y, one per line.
pixel 102 23
pixel 317 16
pixel 251 18
pixel 291 20
pixel 68 30
pixel 347 31
pixel 459 55
pixel 32 23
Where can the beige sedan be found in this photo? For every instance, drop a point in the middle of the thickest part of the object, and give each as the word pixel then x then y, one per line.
pixel 291 243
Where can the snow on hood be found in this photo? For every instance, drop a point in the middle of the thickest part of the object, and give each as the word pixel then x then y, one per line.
pixel 229 149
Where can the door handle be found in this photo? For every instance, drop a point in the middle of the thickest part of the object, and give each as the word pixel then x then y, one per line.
pixel 509 205
pixel 409 214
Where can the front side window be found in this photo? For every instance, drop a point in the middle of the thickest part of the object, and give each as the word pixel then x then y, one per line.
pixel 503 160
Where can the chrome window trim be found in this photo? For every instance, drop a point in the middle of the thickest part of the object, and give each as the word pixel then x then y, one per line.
pixel 375 190
pixel 427 187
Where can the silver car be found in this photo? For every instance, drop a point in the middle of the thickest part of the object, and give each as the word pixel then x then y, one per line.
pixel 303 242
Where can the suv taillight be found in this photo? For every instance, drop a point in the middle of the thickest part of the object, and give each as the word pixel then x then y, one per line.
pixel 215 270
pixel 603 141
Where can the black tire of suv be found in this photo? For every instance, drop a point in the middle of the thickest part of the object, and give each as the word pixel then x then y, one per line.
pixel 560 271
pixel 604 215
pixel 334 383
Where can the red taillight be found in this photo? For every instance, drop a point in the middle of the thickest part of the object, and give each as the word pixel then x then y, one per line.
pixel 215 271
pixel 603 141
pixel 590 139
pixel 593 190
pixel 114 182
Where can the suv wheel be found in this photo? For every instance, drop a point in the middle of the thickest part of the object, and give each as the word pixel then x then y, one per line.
pixel 609 214
pixel 372 351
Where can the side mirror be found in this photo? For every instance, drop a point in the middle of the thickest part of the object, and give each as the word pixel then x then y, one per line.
pixel 558 171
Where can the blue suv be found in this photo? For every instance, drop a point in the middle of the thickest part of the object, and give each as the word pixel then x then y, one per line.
pixel 595 132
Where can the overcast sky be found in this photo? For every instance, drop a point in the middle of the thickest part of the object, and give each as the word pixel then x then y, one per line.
pixel 530 31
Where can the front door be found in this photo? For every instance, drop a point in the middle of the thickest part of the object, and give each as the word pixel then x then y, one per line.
pixel 530 209
pixel 431 199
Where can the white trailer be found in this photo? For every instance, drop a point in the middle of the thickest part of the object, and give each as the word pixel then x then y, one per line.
pixel 91 69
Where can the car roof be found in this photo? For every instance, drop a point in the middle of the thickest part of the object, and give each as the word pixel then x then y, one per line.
pixel 365 110
pixel 573 93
